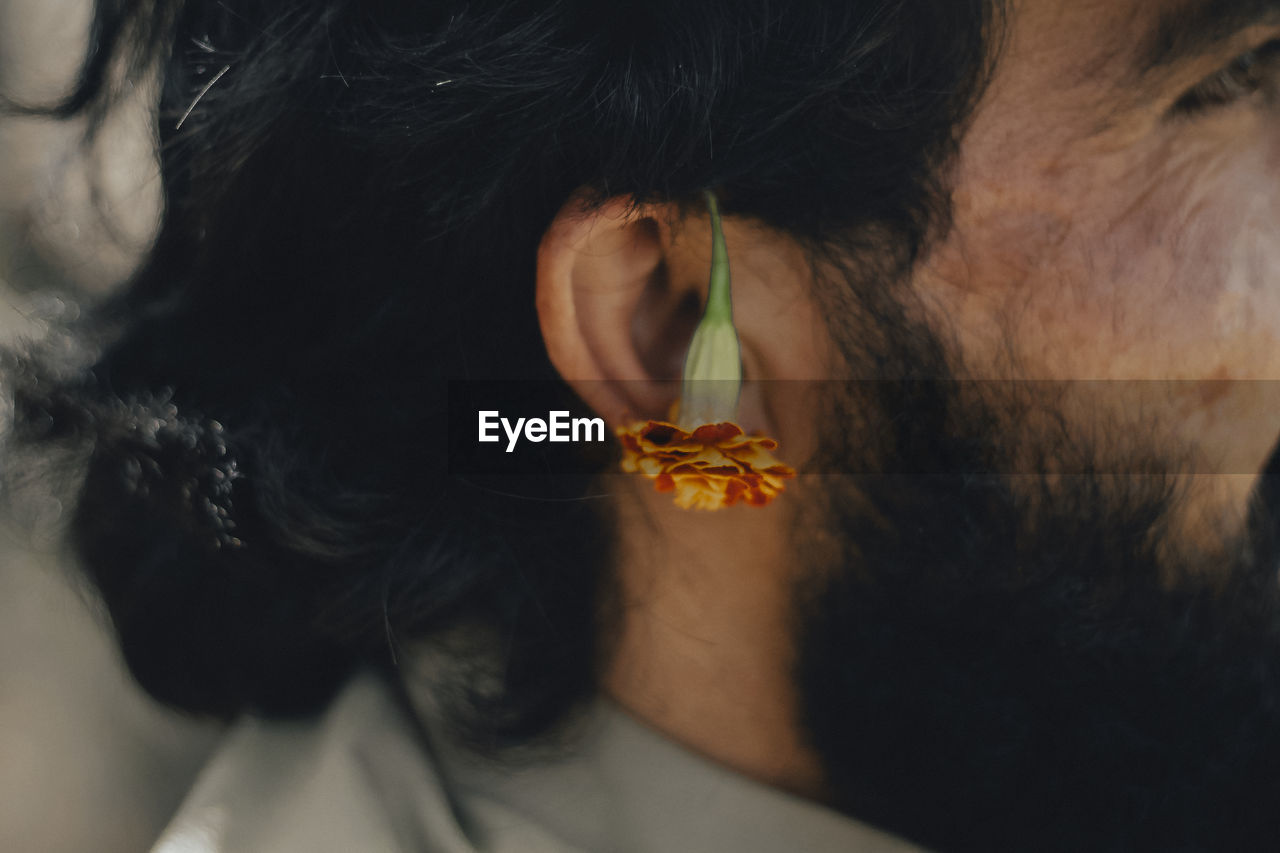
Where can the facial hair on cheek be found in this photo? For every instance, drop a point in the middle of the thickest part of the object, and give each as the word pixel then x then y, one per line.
pixel 992 666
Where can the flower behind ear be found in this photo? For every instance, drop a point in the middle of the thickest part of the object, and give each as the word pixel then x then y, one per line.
pixel 708 461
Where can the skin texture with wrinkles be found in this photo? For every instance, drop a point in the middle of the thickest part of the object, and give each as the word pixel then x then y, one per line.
pixel 1099 237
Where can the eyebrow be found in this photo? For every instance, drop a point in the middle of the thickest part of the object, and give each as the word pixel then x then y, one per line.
pixel 1195 27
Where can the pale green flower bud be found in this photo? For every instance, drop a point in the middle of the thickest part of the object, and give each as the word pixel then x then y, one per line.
pixel 713 365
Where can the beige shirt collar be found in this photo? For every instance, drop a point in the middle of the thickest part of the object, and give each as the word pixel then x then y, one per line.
pixel 361 778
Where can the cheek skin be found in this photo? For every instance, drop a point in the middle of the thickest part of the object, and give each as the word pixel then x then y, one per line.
pixel 1202 251
pixel 1155 262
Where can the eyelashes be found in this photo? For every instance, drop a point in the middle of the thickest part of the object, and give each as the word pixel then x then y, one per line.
pixel 1249 73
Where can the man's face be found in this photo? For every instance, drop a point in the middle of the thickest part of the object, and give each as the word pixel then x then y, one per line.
pixel 999 662
pixel 1117 217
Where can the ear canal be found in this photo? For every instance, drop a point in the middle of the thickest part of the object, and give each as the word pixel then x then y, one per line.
pixel 663 325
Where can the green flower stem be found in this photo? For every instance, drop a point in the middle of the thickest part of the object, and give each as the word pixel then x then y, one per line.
pixel 719 293
pixel 713 365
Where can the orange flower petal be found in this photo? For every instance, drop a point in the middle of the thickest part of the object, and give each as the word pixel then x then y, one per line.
pixel 714 466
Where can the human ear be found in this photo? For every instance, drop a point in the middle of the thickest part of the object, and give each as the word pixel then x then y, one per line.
pixel 617 305
pixel 621 288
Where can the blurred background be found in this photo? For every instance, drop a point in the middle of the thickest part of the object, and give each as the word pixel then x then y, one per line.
pixel 87 763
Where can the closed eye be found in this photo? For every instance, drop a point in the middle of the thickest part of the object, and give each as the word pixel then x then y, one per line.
pixel 1251 72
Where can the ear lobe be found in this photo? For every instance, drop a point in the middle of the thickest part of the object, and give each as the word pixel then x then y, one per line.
pixel 615 320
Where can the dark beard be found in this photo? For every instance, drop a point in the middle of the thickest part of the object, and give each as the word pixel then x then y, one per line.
pixel 990 662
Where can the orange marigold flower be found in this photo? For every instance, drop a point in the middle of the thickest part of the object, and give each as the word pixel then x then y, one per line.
pixel 714 466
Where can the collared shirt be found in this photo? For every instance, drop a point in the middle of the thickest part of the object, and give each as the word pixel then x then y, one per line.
pixel 363 778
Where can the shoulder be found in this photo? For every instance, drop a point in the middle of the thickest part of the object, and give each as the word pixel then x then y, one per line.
pixel 357 777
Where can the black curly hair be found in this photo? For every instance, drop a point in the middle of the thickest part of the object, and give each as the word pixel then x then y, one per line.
pixel 354 191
